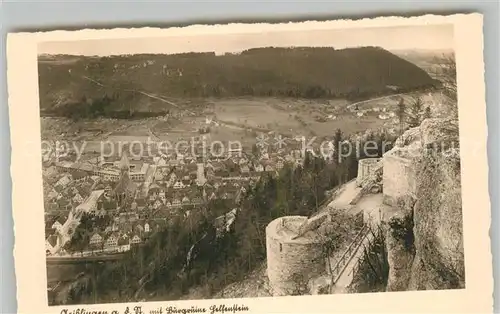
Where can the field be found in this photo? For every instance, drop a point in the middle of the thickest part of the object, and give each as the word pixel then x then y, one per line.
pixel 291 117
pixel 239 119
pixel 258 114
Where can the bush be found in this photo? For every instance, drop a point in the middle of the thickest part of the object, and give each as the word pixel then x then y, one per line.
pixel 402 229
pixel 372 273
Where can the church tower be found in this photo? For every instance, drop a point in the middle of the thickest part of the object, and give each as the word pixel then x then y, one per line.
pixel 124 164
pixel 125 188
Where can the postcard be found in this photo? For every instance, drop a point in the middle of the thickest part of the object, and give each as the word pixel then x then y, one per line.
pixel 305 167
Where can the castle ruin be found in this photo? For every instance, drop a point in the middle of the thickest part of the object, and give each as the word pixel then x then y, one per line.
pixel 295 254
pixel 366 167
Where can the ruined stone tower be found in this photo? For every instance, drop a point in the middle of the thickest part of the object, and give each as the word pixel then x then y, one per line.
pixel 365 168
pixel 294 254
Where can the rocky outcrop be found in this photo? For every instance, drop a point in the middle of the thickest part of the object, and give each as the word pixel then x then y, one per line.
pixel 439 258
pixel 400 245
pixel 442 133
pixel 409 137
pixel 435 257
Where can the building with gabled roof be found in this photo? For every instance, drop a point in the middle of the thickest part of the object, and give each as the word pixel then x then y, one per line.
pixel 111 241
pixel 136 239
pixel 96 240
pixel 123 243
pixel 125 188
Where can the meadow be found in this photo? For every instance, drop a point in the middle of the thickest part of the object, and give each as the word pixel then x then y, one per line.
pixel 241 119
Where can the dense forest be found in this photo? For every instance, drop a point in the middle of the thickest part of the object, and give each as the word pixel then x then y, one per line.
pixel 131 85
pixel 188 254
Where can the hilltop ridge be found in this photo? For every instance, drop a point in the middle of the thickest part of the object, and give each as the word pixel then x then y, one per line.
pixel 118 83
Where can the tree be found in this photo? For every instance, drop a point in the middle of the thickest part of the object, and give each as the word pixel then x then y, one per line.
pixel 427 113
pixel 446 71
pixel 372 271
pixel 415 114
pixel 333 233
pixel 401 113
pixel 337 140
pixel 255 150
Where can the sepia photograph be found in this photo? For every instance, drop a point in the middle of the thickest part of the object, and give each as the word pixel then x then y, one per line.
pixel 268 166
pixel 311 161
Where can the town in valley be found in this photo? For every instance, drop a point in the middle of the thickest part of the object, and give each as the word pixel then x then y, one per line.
pixel 265 171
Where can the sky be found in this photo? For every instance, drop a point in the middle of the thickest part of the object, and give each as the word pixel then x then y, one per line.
pixel 429 37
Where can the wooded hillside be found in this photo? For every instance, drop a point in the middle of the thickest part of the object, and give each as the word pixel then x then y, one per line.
pixel 120 83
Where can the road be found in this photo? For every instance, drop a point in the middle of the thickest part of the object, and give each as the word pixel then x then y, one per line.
pixel 69 225
pixel 372 99
pixel 137 91
pixel 154 137
pixel 149 177
pixel 73 220
pixel 58 260
pixel 342 201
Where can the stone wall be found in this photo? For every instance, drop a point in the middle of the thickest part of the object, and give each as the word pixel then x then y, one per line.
pixel 291 263
pixel 435 259
pixel 365 169
pixel 399 178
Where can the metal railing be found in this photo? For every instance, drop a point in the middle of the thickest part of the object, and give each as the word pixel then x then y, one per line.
pixel 354 269
pixel 349 253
